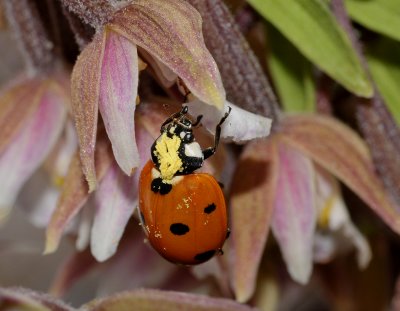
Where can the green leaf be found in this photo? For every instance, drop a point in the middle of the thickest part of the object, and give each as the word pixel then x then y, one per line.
pixel 291 73
pixel 382 16
pixel 312 28
pixel 384 63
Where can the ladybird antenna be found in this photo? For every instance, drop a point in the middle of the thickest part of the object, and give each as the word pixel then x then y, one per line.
pixel 172 118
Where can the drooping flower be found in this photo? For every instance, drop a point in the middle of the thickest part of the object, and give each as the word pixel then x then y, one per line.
pixel 105 76
pixel 281 192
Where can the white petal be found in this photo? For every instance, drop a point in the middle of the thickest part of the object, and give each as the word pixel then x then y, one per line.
pixel 337 233
pixel 85 226
pixel 69 145
pixel 115 200
pixel 38 198
pixel 239 127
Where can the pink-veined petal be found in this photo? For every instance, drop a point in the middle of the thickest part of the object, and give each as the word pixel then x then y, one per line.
pixel 118 91
pixel 171 31
pixel 85 226
pixel 74 194
pixel 294 216
pixel 85 92
pixel 116 200
pixel 152 299
pixel 40 193
pixel 17 104
pixel 342 152
pixel 252 199
pixel 240 126
pixel 31 146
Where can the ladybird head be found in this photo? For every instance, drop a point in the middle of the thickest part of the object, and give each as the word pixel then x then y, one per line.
pixel 181 126
pixel 182 130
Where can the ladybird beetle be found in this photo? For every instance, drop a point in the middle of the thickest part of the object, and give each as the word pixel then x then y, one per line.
pixel 182 213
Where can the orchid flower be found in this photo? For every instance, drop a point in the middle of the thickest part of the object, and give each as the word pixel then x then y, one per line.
pixel 285 192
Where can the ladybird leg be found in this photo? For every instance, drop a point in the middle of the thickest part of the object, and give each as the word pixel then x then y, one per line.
pixel 208 152
pixel 198 119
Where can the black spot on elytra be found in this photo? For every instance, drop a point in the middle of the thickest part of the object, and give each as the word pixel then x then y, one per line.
pixel 205 256
pixel 157 185
pixel 179 229
pixel 210 208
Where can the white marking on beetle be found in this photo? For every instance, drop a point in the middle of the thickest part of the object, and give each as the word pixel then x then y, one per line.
pixel 193 150
pixel 155 173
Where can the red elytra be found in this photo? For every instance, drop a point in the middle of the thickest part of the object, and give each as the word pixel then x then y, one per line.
pixel 189 224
